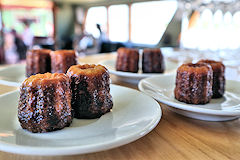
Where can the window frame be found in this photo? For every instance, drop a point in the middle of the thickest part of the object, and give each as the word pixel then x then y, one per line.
pixel 129 24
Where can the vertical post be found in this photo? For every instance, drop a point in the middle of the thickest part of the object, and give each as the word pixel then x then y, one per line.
pixel 107 21
pixel 84 19
pixel 2 36
pixel 129 21
pixel 54 10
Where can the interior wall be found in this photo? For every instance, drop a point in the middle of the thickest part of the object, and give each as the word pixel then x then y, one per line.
pixel 64 23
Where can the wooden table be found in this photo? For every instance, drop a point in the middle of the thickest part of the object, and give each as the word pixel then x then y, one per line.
pixel 176 137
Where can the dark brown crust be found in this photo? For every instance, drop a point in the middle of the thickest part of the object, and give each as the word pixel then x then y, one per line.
pixel 38 61
pixel 62 60
pixel 218 77
pixel 153 61
pixel 90 92
pixel 194 83
pixel 45 104
pixel 127 60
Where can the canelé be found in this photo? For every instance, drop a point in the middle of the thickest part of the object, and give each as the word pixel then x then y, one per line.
pixel 127 60
pixel 152 61
pixel 62 60
pixel 218 77
pixel 45 103
pixel 90 87
pixel 38 61
pixel 194 83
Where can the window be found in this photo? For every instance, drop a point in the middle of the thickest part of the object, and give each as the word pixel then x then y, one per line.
pixel 96 15
pixel 150 19
pixel 118 23
pixel 41 18
pixel 236 31
pixel 221 29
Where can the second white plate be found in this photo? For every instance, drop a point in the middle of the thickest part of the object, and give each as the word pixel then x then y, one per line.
pixel 227 108
pixel 170 68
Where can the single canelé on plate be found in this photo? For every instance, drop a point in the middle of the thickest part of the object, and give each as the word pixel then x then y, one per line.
pixel 218 77
pixel 38 61
pixel 90 85
pixel 194 83
pixel 45 103
pixel 127 60
pixel 62 60
pixel 152 61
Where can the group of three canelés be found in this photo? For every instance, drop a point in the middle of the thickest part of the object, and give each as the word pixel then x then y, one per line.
pixel 58 90
pixel 49 101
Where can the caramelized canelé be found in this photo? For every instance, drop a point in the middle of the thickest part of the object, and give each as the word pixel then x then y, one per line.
pixel 194 83
pixel 38 61
pixel 152 61
pixel 45 103
pixel 218 77
pixel 62 60
pixel 127 60
pixel 90 87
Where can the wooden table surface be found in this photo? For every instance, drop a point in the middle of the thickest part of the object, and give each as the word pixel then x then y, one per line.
pixel 175 137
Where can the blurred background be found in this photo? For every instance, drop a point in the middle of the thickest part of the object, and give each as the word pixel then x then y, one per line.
pixel 102 26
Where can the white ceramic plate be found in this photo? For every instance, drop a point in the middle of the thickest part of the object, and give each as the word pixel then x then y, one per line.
pixel 227 108
pixel 135 77
pixel 13 75
pixel 133 116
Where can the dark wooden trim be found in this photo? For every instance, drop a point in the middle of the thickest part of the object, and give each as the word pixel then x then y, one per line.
pixel 84 19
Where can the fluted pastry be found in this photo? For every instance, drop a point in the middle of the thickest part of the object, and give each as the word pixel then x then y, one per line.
pixel 38 61
pixel 218 77
pixel 45 103
pixel 90 87
pixel 194 83
pixel 127 60
pixel 152 61
pixel 62 60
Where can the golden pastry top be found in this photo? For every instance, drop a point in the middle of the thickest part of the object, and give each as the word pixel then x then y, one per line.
pixel 46 78
pixel 195 68
pixel 151 50
pixel 123 50
pixel 86 69
pixel 216 65
pixel 39 51
pixel 64 52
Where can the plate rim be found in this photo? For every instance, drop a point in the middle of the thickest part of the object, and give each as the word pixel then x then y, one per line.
pixel 11 66
pixel 184 106
pixel 73 150
pixel 11 83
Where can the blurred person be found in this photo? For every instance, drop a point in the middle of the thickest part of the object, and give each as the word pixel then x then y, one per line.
pixel 21 48
pixel 27 35
pixel 102 35
pixel 78 34
pixel 11 55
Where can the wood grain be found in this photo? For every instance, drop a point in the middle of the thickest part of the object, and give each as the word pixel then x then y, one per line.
pixel 175 137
